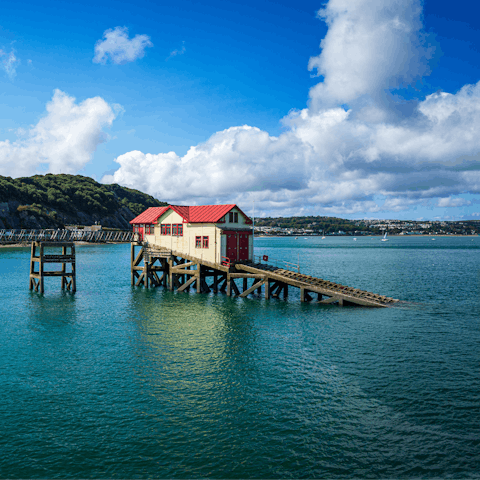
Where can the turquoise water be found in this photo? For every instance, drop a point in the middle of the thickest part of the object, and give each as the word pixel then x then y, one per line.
pixel 122 382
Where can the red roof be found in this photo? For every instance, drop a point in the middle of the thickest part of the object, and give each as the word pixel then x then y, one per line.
pixel 150 215
pixel 194 214
pixel 208 213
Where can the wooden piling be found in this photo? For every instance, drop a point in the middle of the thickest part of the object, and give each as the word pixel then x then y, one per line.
pixel 37 277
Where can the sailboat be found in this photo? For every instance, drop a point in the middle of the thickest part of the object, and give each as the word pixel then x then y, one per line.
pixel 323 236
pixel 385 239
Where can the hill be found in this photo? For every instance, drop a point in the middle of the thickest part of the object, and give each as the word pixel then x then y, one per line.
pixel 52 201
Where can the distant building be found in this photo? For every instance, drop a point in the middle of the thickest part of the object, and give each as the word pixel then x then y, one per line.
pixel 209 232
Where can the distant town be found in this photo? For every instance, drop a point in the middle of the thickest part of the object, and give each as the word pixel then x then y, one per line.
pixel 338 226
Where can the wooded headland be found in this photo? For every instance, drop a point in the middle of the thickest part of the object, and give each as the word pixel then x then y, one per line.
pixel 53 201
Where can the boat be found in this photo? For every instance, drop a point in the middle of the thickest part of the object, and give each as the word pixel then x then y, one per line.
pixel 385 239
pixel 354 239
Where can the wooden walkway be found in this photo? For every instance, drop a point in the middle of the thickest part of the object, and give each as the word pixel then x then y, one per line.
pixel 177 271
pixel 101 236
pixel 334 292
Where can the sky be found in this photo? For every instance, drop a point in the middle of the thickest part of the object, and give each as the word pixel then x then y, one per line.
pixel 350 108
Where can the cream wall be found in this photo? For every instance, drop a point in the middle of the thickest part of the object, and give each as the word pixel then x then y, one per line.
pixel 241 221
pixel 186 242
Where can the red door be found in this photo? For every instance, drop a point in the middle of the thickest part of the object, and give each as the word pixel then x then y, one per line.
pixel 243 246
pixel 232 250
pixel 140 233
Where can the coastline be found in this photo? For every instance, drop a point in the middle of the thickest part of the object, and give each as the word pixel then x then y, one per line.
pixel 366 236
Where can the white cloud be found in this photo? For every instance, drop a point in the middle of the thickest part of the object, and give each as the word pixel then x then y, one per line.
pixel 63 140
pixel 371 45
pixel 177 51
pixel 375 156
pixel 117 47
pixel 452 202
pixel 9 63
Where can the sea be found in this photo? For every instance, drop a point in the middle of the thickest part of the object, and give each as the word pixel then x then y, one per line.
pixel 117 381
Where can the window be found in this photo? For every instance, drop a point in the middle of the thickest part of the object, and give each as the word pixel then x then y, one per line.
pixel 233 217
pixel 205 242
pixel 198 242
pixel 149 229
pixel 177 229
pixel 165 229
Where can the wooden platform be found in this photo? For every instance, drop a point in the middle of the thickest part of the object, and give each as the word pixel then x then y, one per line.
pixel 38 256
pixel 155 266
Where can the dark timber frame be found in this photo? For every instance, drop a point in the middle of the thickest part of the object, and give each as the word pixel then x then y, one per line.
pixel 37 276
pixel 157 266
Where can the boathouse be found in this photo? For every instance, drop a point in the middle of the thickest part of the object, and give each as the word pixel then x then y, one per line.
pixel 213 233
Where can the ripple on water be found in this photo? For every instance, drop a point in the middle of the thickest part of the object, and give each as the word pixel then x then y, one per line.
pixel 122 382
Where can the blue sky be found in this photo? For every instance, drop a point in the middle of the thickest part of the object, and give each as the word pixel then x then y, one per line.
pixel 216 102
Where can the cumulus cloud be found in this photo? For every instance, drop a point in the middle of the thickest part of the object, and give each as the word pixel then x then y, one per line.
pixel 9 63
pixel 63 140
pixel 118 48
pixel 371 45
pixel 355 148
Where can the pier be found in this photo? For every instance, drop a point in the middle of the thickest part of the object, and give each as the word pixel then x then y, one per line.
pixel 157 266
pixel 8 236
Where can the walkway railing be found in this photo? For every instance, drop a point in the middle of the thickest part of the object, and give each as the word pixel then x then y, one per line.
pixel 101 236
pixel 276 263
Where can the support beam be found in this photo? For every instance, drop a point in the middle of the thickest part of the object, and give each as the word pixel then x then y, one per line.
pixel 234 287
pixel 187 284
pixel 255 286
pixel 327 301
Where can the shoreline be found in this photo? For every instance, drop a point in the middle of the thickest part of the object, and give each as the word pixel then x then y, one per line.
pixel 366 236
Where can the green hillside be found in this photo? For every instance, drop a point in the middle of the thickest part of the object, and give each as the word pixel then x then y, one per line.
pixel 51 201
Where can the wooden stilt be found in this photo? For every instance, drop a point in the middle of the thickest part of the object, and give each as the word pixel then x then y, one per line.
pixel 170 273
pixel 234 286
pixel 199 278
pixel 38 255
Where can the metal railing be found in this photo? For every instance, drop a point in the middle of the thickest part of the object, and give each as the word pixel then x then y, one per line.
pixel 101 236
pixel 226 261
pixel 267 260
